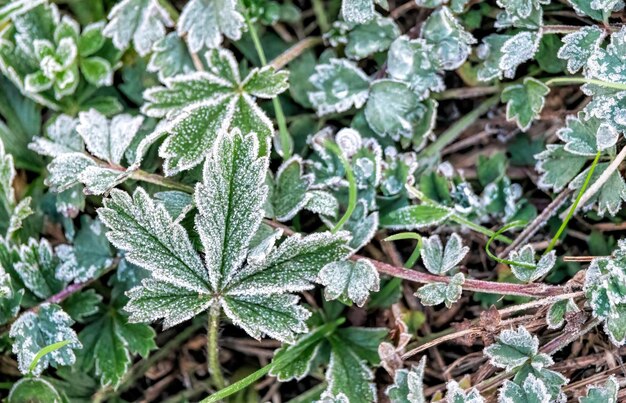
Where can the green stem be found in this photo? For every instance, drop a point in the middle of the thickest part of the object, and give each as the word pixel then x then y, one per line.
pixel 454 131
pixel 572 209
pixel 480 229
pixel 213 349
pixel 352 191
pixel 144 176
pixel 286 143
pixel 277 363
pixel 514 224
pixel 582 80
pixel 320 15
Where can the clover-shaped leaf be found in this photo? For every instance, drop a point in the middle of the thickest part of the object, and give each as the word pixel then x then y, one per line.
pixel 408 386
pixel 529 270
pixel 525 101
pixel 602 394
pixel 533 390
pixel 437 293
pixel 199 106
pixel 438 260
pixel 513 348
pixel 349 280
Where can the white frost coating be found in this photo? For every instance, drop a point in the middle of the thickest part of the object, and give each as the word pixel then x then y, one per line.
pixel 458 395
pixel 340 85
pixel 141 21
pixel 526 255
pixel 517 50
pixel 606 136
pixel 513 348
pixel 440 261
pixel 349 141
pixel 411 380
pixel 414 61
pixel 33 331
pixel 353 280
pixel 606 393
pixel 357 11
pixel 579 46
pixel 62 138
pixel 532 390
pixel 204 22
pixel 108 140
pixel 98 180
pixel 322 203
pixel 437 293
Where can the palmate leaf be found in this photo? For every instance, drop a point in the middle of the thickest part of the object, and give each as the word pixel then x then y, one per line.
pixel 205 21
pixel 201 105
pixel 525 101
pixel 33 331
pixel 437 293
pixel 516 50
pixel 451 43
pixel 438 260
pixel 251 286
pixel 33 390
pixel 408 385
pixel 367 39
pixel 141 21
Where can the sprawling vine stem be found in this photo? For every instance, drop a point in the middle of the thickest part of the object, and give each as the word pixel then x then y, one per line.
pixel 213 348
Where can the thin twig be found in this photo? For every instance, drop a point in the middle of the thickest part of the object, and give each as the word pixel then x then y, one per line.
pixel 293 52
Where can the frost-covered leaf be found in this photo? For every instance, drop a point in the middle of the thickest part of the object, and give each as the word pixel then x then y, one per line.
pixel 340 85
pixel 533 390
pixel 82 305
pixel 108 343
pixel 526 256
pixel 557 311
pixel 205 21
pixel 414 61
pixel 408 386
pixel 33 331
pixel 605 281
pixel 558 166
pixel 394 110
pixel 107 139
pixel 308 346
pixel 490 52
pixel 349 280
pixel 357 11
pixel 371 37
pixel 602 394
pixel 415 217
pixel 10 297
pixel 457 395
pixel 438 260
pixel 289 194
pixel 521 8
pixel 37 267
pixel 437 293
pixel 349 374
pixel 141 21
pixel 61 138
pixel 579 46
pixel 33 390
pixel 512 348
pixel 612 193
pixel 524 102
pixel 199 106
pixel 450 40
pixel 170 57
pixel 362 225
pixel 516 50
pixel 598 10
pixel 177 203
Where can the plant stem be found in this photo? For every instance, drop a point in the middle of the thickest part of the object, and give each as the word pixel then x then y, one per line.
pixel 572 209
pixel 286 143
pixel 559 29
pixel 320 15
pixel 479 228
pixel 582 80
pixel 454 131
pixel 566 338
pixel 213 349
pixel 532 290
pixel 467 92
pixel 293 52
pixel 144 176
pixel 352 191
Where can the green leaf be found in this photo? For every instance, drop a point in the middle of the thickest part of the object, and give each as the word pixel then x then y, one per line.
pixel 409 121
pixel 349 280
pixel 199 106
pixel 532 390
pixel 37 268
pixel 205 21
pixel 357 11
pixel 289 193
pixel 610 196
pixel 514 348
pixel 452 44
pixel 300 366
pixel 557 311
pixel 371 37
pixel 32 332
pixel 108 344
pixel 526 256
pixel 415 62
pixel 517 50
pixel 524 101
pixel 415 217
pixel 170 57
pixel 457 395
pixel 348 375
pixel 438 260
pixel 437 293
pixel 339 86
pixel 490 53
pixel 579 46
pixel 10 297
pixel 602 394
pixel 558 167
pixel 33 390
pixel 91 39
pixel 82 304
pixel 408 385
pixel 141 21
pixel 97 71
